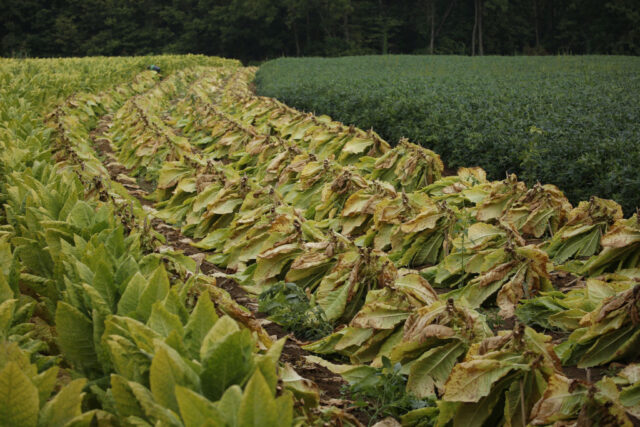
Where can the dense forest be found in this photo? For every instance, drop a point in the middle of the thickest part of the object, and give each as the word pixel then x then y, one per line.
pixel 254 30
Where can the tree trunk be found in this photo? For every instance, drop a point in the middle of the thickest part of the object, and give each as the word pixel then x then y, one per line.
pixel 536 21
pixel 346 28
pixel 383 20
pixel 433 26
pixel 297 39
pixel 308 30
pixel 480 13
pixel 475 28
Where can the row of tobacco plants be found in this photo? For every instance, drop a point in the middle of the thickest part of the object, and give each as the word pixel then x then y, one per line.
pixel 442 300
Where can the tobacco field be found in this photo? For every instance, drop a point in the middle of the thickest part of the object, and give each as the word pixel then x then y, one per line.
pixel 178 251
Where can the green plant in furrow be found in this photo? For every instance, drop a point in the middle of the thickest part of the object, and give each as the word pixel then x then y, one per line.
pixel 382 393
pixel 288 305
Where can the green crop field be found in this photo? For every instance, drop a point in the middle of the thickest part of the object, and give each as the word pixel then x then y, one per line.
pixel 569 121
pixel 177 251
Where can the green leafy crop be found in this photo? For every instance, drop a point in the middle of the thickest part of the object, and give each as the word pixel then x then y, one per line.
pixel 569 121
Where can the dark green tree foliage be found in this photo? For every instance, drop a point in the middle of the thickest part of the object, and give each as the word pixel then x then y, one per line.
pixel 258 29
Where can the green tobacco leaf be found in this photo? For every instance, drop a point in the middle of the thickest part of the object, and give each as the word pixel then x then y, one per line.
pixel 357 145
pixel 270 263
pixel 82 215
pixel 93 418
pixel 433 368
pixel 152 409
pixel 630 396
pixel 472 380
pixel 558 402
pixel 6 316
pixel 612 346
pixel 332 302
pixel 351 336
pixel 222 328
pixel 379 317
pixel 164 322
pixel 196 410
pixel 200 323
pixel 18 398
pixel 526 390
pixel 75 337
pixel 5 289
pixel 65 406
pixel 131 295
pixel 156 290
pixel 104 283
pixel 229 405
pixel 168 370
pixel 268 364
pixel 46 382
pixel 125 401
pixel 351 373
pixel 475 414
pixel 228 362
pixel 284 408
pixel 258 407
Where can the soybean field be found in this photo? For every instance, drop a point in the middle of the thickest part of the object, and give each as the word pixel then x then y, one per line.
pixel 569 121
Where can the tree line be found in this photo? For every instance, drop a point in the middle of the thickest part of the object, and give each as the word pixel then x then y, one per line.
pixel 254 30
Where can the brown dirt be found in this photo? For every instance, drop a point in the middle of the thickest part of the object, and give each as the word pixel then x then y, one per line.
pixel 449 171
pixel 329 383
pixel 589 376
pixel 564 281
